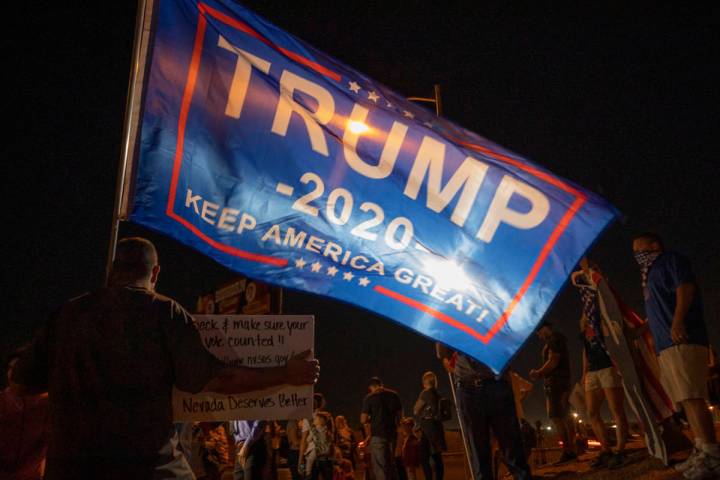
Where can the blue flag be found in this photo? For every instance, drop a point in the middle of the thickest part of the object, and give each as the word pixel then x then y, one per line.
pixel 283 164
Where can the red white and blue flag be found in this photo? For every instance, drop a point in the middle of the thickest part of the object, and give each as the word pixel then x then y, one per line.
pixel 282 163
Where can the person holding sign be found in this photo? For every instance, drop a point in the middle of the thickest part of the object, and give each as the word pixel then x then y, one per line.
pixel 109 360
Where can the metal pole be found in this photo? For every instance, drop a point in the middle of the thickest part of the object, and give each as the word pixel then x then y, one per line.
pixel 438 101
pixel 466 441
pixel 463 433
pixel 143 21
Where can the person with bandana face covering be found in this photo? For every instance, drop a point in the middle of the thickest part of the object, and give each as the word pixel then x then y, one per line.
pixel 675 315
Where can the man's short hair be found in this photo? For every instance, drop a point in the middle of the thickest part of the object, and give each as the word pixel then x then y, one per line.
pixel 135 258
pixel 430 377
pixel 376 382
pixel 546 323
pixel 651 237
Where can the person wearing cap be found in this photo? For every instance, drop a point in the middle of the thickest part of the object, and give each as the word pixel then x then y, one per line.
pixel 109 360
pixel 555 372
pixel 381 415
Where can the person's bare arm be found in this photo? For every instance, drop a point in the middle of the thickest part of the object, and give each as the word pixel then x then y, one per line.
pixel 442 351
pixel 365 421
pixel 297 371
pixel 419 405
pixel 303 447
pixel 552 362
pixel 683 299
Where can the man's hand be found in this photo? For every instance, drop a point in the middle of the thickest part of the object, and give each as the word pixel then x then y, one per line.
pixel 446 363
pixel 243 454
pixel 300 370
pixel 678 333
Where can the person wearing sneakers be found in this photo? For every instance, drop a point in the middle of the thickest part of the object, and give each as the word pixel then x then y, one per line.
pixel 600 377
pixel 675 316
pixel 555 372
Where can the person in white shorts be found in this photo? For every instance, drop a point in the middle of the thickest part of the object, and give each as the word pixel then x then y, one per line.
pixel 674 308
pixel 600 377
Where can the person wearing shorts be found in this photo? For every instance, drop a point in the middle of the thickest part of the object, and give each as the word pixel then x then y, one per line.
pixel 600 377
pixel 674 307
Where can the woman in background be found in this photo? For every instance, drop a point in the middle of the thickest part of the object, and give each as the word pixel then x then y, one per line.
pixel 344 439
pixel 427 411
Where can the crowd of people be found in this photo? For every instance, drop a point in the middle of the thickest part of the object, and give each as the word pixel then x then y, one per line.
pixel 90 397
pixel 386 444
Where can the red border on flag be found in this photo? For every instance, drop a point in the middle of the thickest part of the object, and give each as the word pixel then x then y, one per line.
pixel 580 197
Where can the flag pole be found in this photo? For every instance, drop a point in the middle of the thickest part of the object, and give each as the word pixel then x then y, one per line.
pixel 451 377
pixel 464 434
pixel 143 23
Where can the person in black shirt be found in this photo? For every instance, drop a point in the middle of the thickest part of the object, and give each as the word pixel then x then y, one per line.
pixel 109 360
pixel 486 406
pixel 381 415
pixel 556 374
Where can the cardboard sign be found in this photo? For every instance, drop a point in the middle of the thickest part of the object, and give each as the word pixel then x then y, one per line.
pixel 254 341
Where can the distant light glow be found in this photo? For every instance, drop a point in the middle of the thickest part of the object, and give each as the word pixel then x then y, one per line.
pixel 548 428
pixel 447 274
pixel 575 414
pixel 357 127
pixel 594 443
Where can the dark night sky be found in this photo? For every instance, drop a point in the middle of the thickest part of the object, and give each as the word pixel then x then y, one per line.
pixel 621 99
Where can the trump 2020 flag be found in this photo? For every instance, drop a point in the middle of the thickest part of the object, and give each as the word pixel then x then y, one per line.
pixel 286 165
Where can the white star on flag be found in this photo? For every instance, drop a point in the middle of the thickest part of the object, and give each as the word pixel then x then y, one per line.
pixel 372 96
pixel 354 86
pixel 332 271
pixel 300 263
pixel 347 276
pixel 315 267
pixel 388 105
pixel 428 124
pixel 408 114
pixel 364 282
